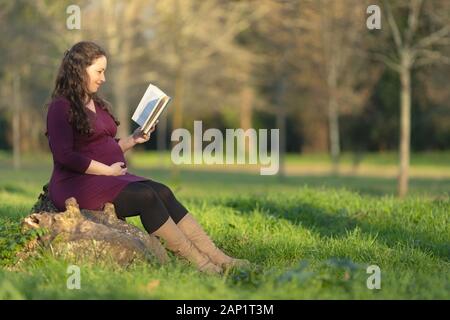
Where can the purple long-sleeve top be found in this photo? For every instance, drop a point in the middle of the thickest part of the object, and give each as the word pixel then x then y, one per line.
pixel 73 153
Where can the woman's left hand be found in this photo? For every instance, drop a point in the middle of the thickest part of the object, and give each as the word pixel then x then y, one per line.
pixel 140 137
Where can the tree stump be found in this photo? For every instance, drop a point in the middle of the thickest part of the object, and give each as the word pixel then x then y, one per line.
pixel 89 234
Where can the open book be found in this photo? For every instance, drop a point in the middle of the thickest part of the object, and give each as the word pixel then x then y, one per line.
pixel 150 108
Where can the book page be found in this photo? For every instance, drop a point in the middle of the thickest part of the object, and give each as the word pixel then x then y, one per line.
pixel 147 104
pixel 146 112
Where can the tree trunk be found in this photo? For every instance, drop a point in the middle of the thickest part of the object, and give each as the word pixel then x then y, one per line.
pixel 281 122
pixel 161 136
pixel 177 120
pixel 333 117
pixel 16 122
pixel 247 97
pixel 405 125
pixel 120 83
pixel 88 235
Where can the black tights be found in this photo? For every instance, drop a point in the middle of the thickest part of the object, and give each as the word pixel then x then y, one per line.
pixel 154 202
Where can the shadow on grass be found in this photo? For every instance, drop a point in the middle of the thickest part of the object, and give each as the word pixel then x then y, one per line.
pixel 13 188
pixel 373 186
pixel 338 224
pixel 13 181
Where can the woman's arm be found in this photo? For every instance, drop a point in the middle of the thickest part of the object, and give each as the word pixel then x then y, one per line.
pixel 101 169
pixel 126 143
pixel 60 137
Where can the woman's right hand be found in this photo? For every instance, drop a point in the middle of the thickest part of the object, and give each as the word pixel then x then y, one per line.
pixel 117 170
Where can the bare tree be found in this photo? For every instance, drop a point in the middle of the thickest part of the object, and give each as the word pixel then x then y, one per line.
pixel 334 65
pixel 278 31
pixel 17 67
pixel 414 47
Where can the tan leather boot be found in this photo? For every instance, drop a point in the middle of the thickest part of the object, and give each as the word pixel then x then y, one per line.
pixel 198 236
pixel 177 242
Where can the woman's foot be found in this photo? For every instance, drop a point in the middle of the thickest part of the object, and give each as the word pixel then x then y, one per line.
pixel 177 242
pixel 236 263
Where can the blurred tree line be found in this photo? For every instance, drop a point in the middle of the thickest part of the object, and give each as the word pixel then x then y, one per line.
pixel 309 67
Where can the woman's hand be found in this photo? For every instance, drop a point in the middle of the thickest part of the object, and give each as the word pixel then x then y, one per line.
pixel 140 137
pixel 117 170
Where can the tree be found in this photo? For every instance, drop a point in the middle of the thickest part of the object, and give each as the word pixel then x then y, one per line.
pixel 418 36
pixel 275 35
pixel 336 55
pixel 17 69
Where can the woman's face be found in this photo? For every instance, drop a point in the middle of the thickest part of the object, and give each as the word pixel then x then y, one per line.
pixel 96 74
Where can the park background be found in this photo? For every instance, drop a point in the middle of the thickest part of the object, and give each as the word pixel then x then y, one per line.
pixel 364 120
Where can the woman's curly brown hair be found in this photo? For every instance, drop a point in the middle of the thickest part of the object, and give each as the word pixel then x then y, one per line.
pixel 71 83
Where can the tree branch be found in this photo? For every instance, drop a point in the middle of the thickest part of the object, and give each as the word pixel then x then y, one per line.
pixel 394 27
pixel 389 62
pixel 413 19
pixel 427 57
pixel 441 34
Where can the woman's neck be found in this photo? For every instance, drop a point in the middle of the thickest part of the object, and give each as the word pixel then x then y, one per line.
pixel 87 100
pixel 90 105
pixel 90 102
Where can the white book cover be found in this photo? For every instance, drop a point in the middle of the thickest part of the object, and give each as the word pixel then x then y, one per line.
pixel 150 107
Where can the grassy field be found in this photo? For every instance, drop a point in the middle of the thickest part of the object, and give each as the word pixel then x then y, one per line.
pixel 311 236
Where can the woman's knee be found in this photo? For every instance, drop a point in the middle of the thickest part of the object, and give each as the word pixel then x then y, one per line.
pixel 151 208
pixel 164 192
pixel 135 197
pixel 149 196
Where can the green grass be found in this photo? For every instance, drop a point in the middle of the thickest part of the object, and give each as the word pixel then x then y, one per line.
pixel 310 237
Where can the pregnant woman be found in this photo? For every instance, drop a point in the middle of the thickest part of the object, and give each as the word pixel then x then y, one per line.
pixel 89 163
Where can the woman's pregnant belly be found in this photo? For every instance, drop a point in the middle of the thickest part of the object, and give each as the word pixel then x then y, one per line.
pixel 107 151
